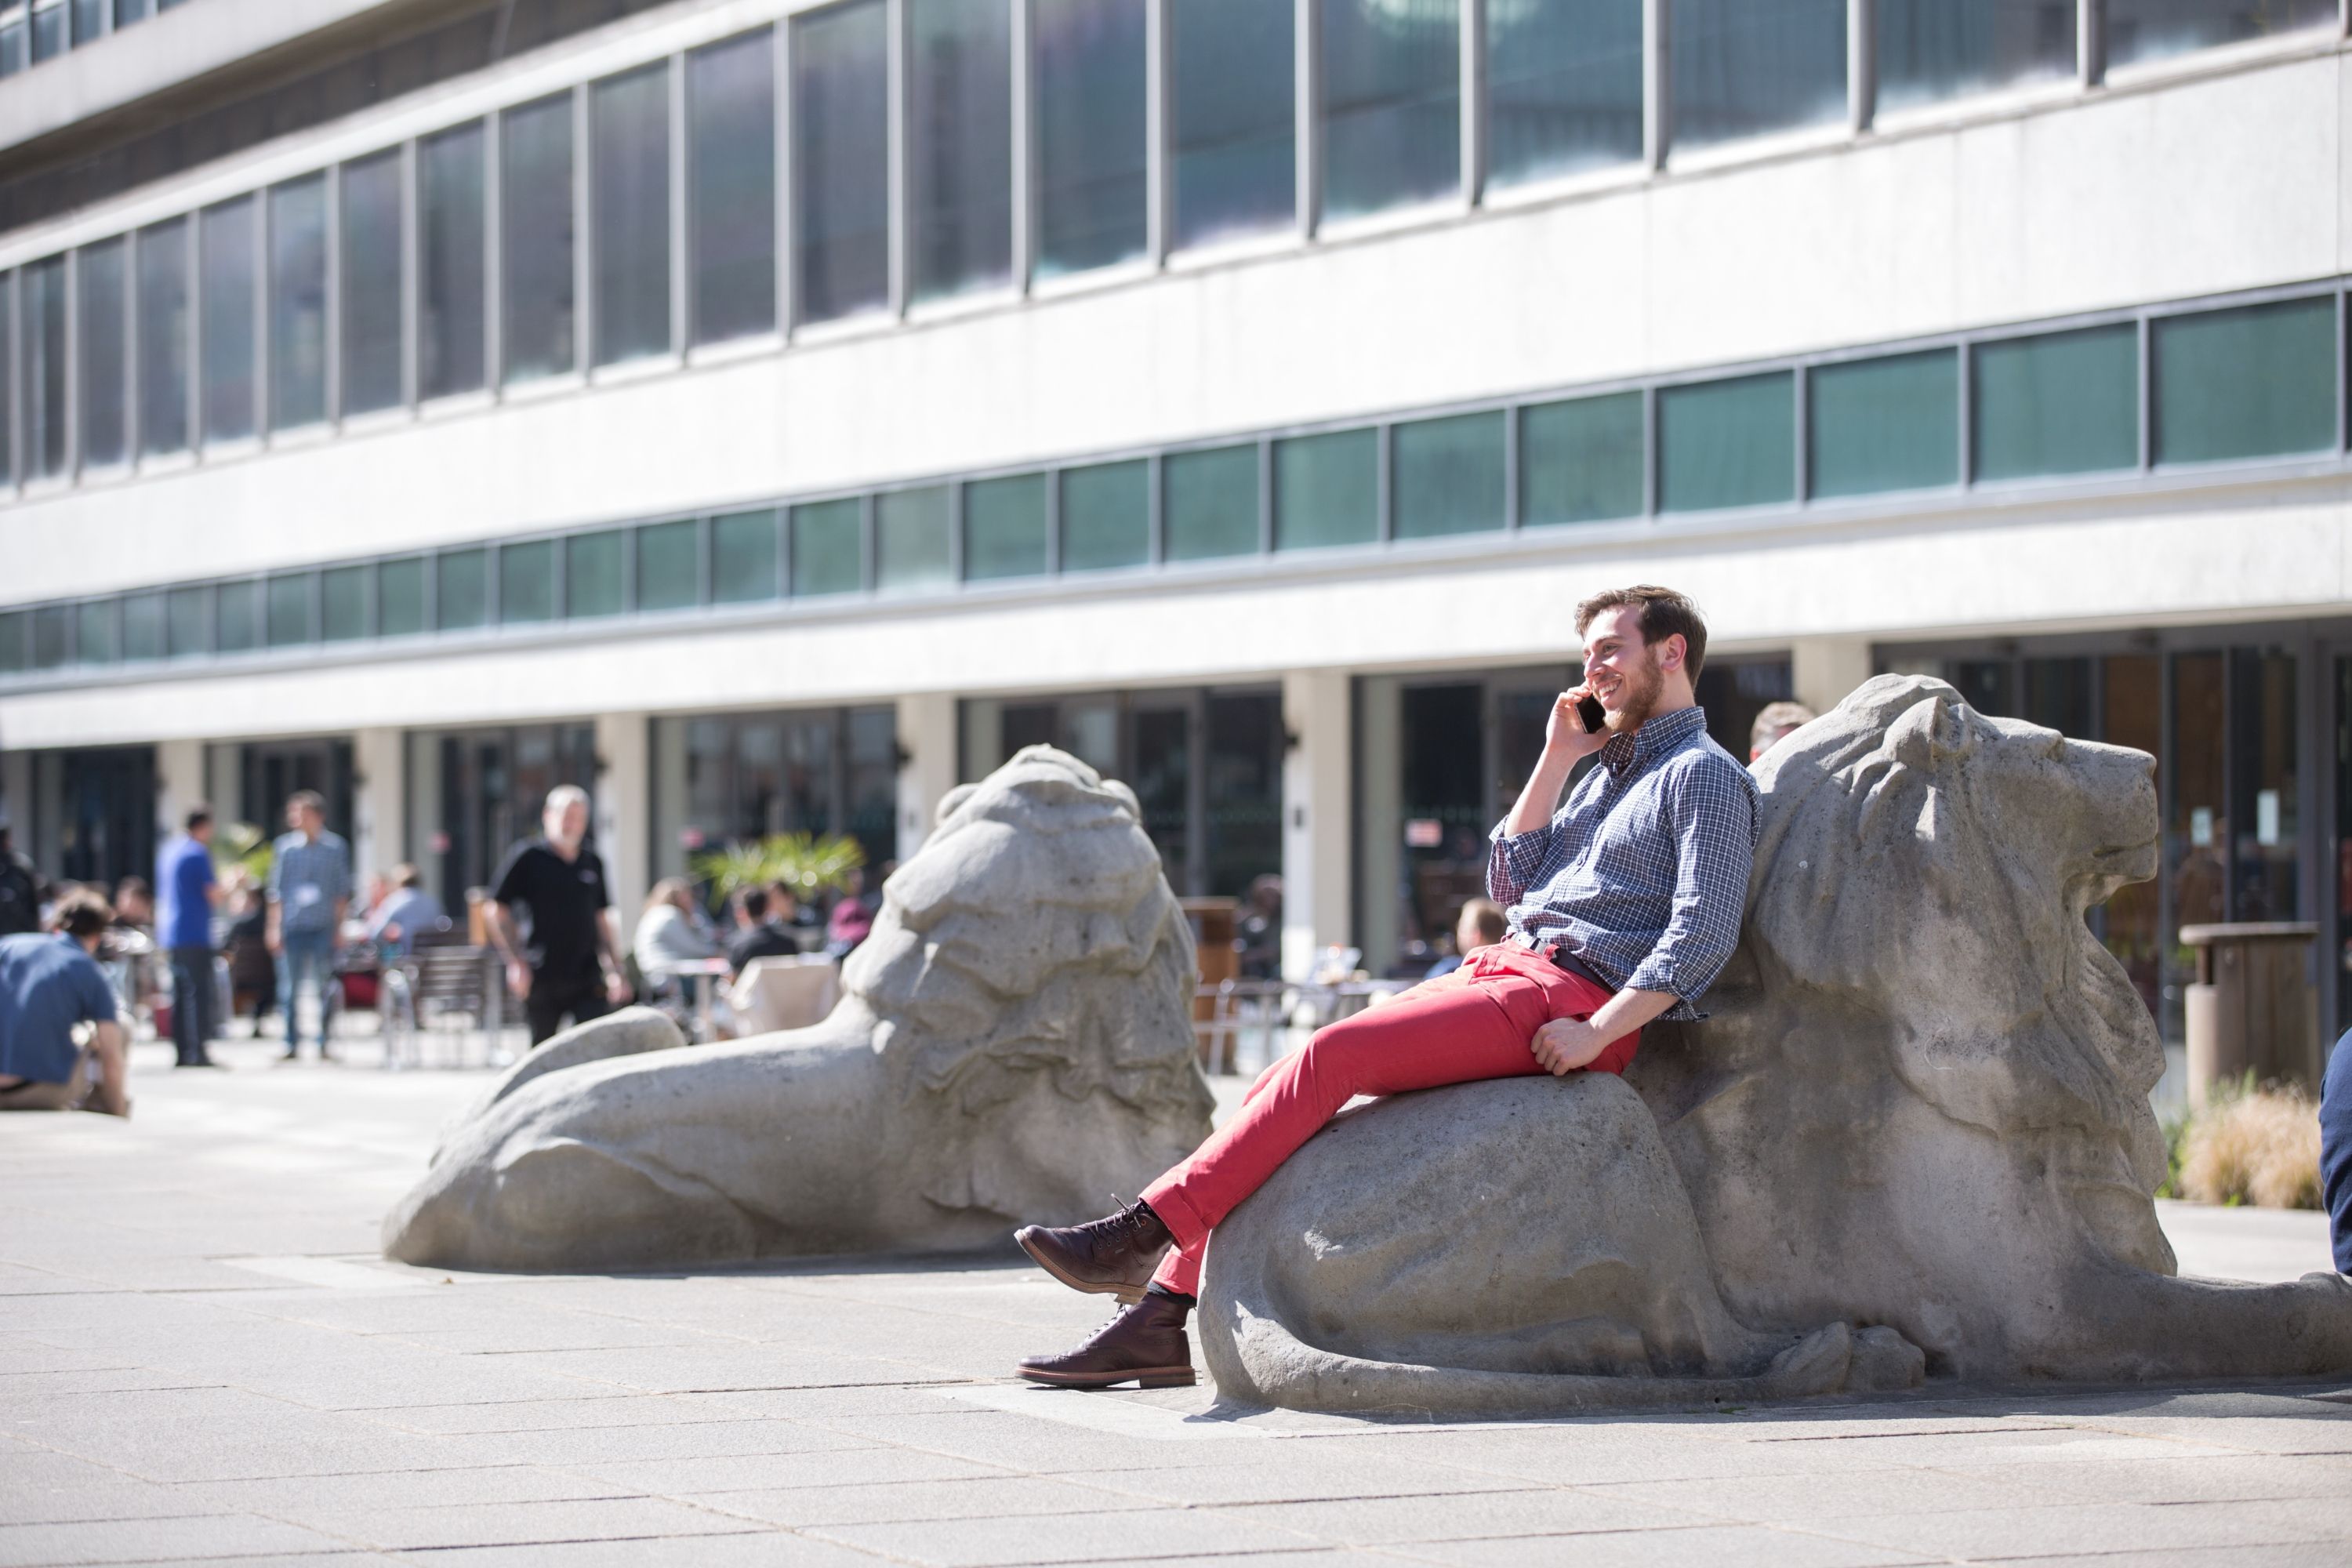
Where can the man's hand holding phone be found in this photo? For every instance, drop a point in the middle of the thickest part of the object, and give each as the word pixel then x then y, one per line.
pixel 1577 727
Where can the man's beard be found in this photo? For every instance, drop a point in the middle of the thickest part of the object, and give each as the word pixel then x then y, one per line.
pixel 1642 690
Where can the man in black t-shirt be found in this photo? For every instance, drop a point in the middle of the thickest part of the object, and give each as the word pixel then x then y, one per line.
pixel 569 961
pixel 757 933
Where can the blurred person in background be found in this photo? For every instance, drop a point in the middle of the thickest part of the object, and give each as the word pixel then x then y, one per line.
pixel 564 959
pixel 1259 932
pixel 2335 1150
pixel 310 892
pixel 405 909
pixel 1480 924
pixel 183 929
pixel 20 890
pixel 852 919
pixel 1775 724
pixel 758 933
pixel 134 904
pixel 49 986
pixel 667 929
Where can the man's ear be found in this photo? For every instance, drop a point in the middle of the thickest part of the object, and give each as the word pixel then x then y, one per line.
pixel 1673 652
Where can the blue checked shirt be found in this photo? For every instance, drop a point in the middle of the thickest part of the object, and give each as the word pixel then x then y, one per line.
pixel 306 878
pixel 1643 873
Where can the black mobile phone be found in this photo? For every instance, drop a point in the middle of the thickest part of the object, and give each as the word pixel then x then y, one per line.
pixel 1589 709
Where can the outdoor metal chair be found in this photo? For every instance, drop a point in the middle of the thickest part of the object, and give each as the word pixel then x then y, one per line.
pixel 447 987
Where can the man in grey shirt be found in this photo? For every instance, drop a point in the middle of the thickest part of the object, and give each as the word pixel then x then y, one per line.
pixel 310 889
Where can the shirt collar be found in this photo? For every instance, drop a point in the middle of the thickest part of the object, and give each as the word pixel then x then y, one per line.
pixel 1667 733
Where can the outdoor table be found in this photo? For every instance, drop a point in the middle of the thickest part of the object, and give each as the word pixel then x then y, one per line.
pixel 715 971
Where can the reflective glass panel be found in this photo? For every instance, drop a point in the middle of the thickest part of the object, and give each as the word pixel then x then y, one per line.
pixel 88 21
pixel 371 305
pixel 163 337
pixel 128 11
pixel 287 607
pixel 400 596
pixel 344 603
pixel 1563 88
pixel 2060 402
pixel 827 554
pixel 594 569
pixel 669 565
pixel 461 595
pixel 143 625
pixel 1210 505
pixel 1232 131
pixel 1581 460
pixel 2150 29
pixel 628 121
pixel 53 631
pixel 1089 91
pixel 1004 528
pixel 1931 49
pixel 42 372
pixel 2250 382
pixel 15 653
pixel 1728 443
pixel 743 557
pixel 1106 516
pixel 1743 67
pixel 48 30
pixel 960 144
pixel 841 174
pixel 188 621
pixel 912 538
pixel 1449 475
pixel 535 240
pixel 1327 489
pixel 526 582
pixel 1890 424
pixel 450 327
pixel 97 633
pixel 298 303
pixel 12 44
pixel 730 149
pixel 105 412
pixel 1392 102
pixel 227 234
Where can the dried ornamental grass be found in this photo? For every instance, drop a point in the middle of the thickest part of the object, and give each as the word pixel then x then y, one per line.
pixel 2260 1147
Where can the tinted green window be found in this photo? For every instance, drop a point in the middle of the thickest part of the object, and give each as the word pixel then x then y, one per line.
pixel 343 603
pixel 1581 461
pixel 2252 382
pixel 2063 403
pixel 462 589
pixel 16 651
pixel 743 550
pixel 53 627
pixel 1728 443
pixel 1004 528
pixel 910 540
pixel 400 596
pixel 1890 424
pixel 1106 516
pixel 1449 475
pixel 668 566
pixel 239 624
pixel 827 554
pixel 143 625
pixel 188 617
pixel 289 610
pixel 1327 489
pixel 526 583
pixel 1211 503
pixel 592 574
pixel 98 638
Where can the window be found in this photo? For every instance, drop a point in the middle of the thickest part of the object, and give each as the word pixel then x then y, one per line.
pixel 2252 382
pixel 1106 516
pixel 594 569
pixel 128 11
pixel 1728 443
pixel 103 288
pixel 237 625
pixel 88 21
pixel 912 540
pixel 841 177
pixel 53 628
pixel 1327 489
pixel 1392 103
pixel 450 325
pixel 960 144
pixel 287 606
pixel 188 621
pixel 535 270
pixel 1090 132
pixel 1210 505
pixel 1563 88
pixel 143 625
pixel 1449 475
pixel 1931 49
pixel 228 269
pixel 48 29
pixel 1581 461
pixel 372 303
pixel 97 633
pixel 1890 424
pixel 2150 29
pixel 743 557
pixel 828 556
pixel 163 337
pixel 628 119
pixel 526 582
pixel 461 590
pixel 1234 159
pixel 1004 528
pixel 43 370
pixel 1743 67
pixel 344 603
pixel 16 626
pixel 2060 402
pixel 400 597
pixel 669 566
pixel 298 303
pixel 12 43
pixel 730 149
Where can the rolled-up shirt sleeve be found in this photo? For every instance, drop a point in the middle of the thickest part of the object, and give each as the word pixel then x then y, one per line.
pixel 1515 862
pixel 1713 819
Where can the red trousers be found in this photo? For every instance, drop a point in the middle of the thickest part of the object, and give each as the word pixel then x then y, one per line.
pixel 1478 1022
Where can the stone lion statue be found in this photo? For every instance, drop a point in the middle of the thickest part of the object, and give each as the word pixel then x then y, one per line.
pixel 1015 1040
pixel 1915 1136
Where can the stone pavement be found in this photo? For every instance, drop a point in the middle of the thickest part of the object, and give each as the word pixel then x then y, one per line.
pixel 202 1359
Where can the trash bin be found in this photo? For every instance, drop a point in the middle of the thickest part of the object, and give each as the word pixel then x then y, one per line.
pixel 2252 1007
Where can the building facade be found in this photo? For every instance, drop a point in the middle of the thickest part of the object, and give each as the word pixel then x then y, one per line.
pixel 769 413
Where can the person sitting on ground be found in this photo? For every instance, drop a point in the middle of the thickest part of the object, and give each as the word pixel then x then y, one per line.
pixel 1623 905
pixel 1775 724
pixel 2335 1149
pixel 49 984
pixel 1480 925
pixel 406 910
pixel 757 935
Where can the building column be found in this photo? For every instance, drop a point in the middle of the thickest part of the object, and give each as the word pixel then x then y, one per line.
pixel 1316 895
pixel 926 746
pixel 1825 669
pixel 380 802
pixel 180 785
pixel 624 807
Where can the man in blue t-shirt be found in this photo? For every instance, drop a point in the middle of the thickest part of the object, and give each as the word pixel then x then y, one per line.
pixel 187 892
pixel 49 986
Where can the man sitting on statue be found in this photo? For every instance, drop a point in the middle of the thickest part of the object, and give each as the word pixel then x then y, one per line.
pixel 1622 907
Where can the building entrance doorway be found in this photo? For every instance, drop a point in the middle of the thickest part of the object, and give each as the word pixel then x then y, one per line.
pixel 486 788
pixel 270 771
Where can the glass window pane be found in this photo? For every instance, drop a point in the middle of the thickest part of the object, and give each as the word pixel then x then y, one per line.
pixel 526 583
pixel 2250 382
pixel 628 121
pixel 1090 132
pixel 1449 475
pixel 1211 507
pixel 827 554
pixel 1392 103
pixel 1232 130
pixel 1004 528
pixel 450 261
pixel 188 615
pixel 163 337
pixel 2151 30
pixel 911 539
pixel 743 557
pixel 128 11
pixel 960 144
pixel 1106 516
pixel 298 303
pixel 103 284
pixel 1563 88
pixel 669 565
pixel 1327 489
pixel 1743 67
pixel 592 574
pixel 143 625
pixel 841 178
pixel 1728 443
pixel 2062 403
pixel 1931 49
pixel 49 31
pixel 1581 461
pixel 8 377
pixel 53 628
pixel 96 633
pixel 400 596
pixel 461 589
pixel 44 367
pixel 730 149
pixel 289 609
pixel 88 21
pixel 12 44
pixel 344 603
pixel 372 292
pixel 535 271
pixel 229 264
pixel 16 650
pixel 1890 424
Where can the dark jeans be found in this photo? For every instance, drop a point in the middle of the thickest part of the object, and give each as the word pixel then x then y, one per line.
pixel 2335 1149
pixel 551 998
pixel 195 1002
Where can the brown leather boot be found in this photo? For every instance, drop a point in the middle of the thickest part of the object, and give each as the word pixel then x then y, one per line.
pixel 1145 1344
pixel 1111 1257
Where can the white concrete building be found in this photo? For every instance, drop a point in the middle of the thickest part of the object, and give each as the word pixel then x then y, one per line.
pixel 770 413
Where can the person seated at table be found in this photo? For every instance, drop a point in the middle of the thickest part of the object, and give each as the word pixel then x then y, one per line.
pixel 669 934
pixel 406 910
pixel 1480 924
pixel 49 984
pixel 758 933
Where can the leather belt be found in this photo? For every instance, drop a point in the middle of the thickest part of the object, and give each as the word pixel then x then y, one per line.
pixel 1561 957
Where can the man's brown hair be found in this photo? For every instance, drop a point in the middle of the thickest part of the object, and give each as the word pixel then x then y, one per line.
pixel 1493 925
pixel 82 913
pixel 1665 614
